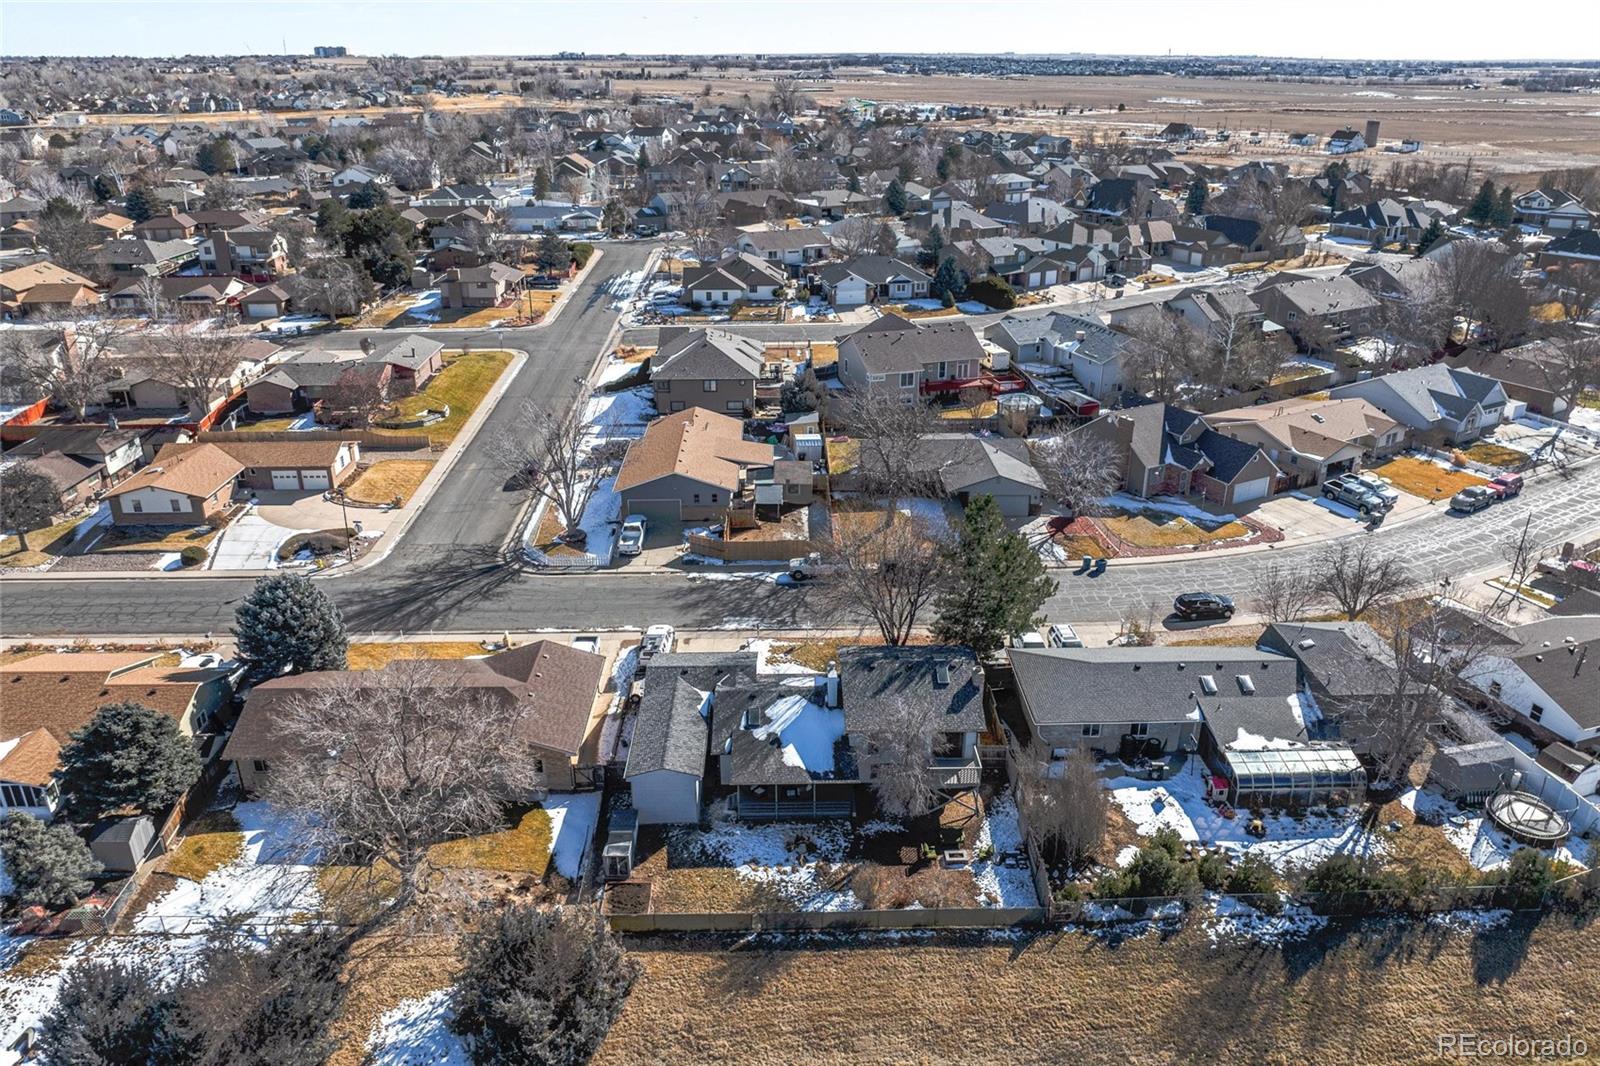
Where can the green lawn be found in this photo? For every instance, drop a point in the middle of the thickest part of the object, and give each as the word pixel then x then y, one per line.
pixel 463 383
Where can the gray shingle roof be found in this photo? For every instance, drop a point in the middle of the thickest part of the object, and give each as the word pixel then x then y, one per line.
pixel 702 354
pixel 672 728
pixel 874 680
pixel 1114 685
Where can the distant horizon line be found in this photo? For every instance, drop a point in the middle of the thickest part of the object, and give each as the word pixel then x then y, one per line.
pixel 1480 61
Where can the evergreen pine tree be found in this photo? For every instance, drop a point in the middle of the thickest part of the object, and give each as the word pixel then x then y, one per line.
pixel 1196 199
pixel 139 205
pixel 541 184
pixel 947 282
pixel 894 198
pixel 933 245
pixel 1429 238
pixel 1504 212
pixel 107 1011
pixel 287 623
pixel 1482 207
pixel 998 583
pixel 644 159
pixel 127 756
pixel 47 862
pixel 551 254
pixel 613 217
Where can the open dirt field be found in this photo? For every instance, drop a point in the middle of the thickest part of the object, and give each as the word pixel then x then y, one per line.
pixel 1499 129
pixel 1379 994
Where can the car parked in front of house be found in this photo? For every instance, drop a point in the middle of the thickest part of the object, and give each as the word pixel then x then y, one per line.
pixel 1193 606
pixel 1347 490
pixel 1505 486
pixel 1380 487
pixel 1472 499
pixel 631 540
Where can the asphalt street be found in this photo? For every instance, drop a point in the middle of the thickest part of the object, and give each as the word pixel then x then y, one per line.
pixel 449 572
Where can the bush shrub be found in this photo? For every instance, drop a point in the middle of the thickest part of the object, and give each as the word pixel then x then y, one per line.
pixel 1523 881
pixel 993 291
pixel 193 555
pixel 581 251
pixel 1254 877
pixel 1212 870
pixel 48 863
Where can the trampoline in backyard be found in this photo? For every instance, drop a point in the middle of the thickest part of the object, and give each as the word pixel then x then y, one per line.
pixel 1527 818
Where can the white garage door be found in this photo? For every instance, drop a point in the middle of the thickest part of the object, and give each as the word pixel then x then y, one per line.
pixel 286 479
pixel 314 479
pixel 1251 490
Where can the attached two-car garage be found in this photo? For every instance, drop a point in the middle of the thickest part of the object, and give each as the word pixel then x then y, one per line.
pixel 1255 489
pixel 310 479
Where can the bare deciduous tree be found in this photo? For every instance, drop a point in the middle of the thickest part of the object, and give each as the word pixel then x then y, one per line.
pixel 1063 804
pixel 1160 353
pixel 386 764
pixel 697 217
pixel 889 573
pixel 1078 469
pixel 893 459
pixel 72 364
pixel 359 396
pixel 1282 593
pixel 1358 578
pixel 550 453
pixel 198 364
pixel 855 236
pixel 900 750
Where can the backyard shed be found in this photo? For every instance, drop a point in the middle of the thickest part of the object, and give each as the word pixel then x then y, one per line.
pixel 121 844
pixel 1471 773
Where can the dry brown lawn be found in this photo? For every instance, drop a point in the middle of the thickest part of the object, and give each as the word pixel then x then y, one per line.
pixel 384 481
pixel 1428 480
pixel 843 455
pixel 375 656
pixel 153 539
pixel 1163 531
pixel 212 841
pixel 907 311
pixel 1221 637
pixel 1491 454
pixel 982 409
pixel 384 971
pixel 1376 994
pixel 524 847
pixel 44 545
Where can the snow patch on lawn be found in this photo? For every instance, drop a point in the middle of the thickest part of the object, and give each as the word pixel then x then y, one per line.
pixel 417 1033
pixel 1166 505
pixel 1483 844
pixel 1179 803
pixel 762 854
pixel 572 821
pixel 1233 919
pixel 1000 885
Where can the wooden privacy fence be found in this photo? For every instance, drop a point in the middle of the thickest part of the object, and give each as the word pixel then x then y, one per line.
pixel 749 551
pixel 841 921
pixel 392 442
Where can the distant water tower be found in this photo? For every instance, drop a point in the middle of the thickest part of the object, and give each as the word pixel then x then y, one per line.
pixel 1372 133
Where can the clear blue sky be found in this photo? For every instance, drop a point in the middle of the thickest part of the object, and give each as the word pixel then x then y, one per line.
pixel 1378 29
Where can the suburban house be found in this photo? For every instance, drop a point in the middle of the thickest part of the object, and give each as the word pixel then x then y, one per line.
pixel 18 282
pixel 551 686
pixel 146 258
pixel 266 301
pixel 254 252
pixel 715 730
pixel 1580 247
pixel 1530 373
pixel 175 226
pixel 296 384
pixel 708 368
pixel 1311 440
pixel 792 248
pixel 1385 220
pixel 183 487
pixel 1344 142
pixel 688 466
pixel 1086 346
pixel 480 286
pixel 191 295
pixel 1168 451
pixel 553 218
pixel 871 278
pixel 287 466
pixel 896 356
pixel 49 696
pixel 740 276
pixel 999 467
pixel 1343 667
pixel 1543 673
pixel 1440 404
pixel 1139 700
pixel 1555 211
pixel 1320 312
pixel 107 455
pixel 412 360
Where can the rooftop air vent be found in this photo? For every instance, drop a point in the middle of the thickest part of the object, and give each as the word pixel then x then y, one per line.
pixel 1306 645
pixel 941 671
pixel 1208 684
pixel 1246 685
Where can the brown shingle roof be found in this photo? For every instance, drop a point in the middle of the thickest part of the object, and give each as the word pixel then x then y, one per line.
pixel 698 444
pixel 196 471
pixel 30 759
pixel 301 454
pixel 60 691
pixel 554 684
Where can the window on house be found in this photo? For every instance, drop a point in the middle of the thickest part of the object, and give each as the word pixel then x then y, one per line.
pixel 538 766
pixel 176 505
pixel 697 497
pixel 708 386
pixel 1536 712
pixel 259 765
pixel 1091 729
pixel 1139 729
pixel 1494 689
pixel 138 507
pixel 907 380
pixel 713 497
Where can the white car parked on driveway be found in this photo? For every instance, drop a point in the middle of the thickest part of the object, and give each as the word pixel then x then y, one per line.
pixel 631 540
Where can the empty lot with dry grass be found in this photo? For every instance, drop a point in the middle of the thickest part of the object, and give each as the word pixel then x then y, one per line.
pixel 1376 993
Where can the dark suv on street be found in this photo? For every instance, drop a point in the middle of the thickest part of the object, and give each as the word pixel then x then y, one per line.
pixel 1195 605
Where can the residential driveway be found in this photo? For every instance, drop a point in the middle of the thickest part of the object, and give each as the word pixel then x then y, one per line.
pixel 250 543
pixel 308 510
pixel 1306 514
